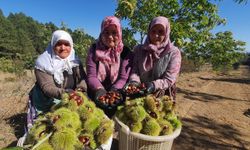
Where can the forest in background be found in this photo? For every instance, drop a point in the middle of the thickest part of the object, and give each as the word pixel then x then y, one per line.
pixel 22 38
pixel 205 99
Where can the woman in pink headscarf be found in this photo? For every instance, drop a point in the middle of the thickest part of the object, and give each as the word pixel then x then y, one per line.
pixel 108 62
pixel 156 62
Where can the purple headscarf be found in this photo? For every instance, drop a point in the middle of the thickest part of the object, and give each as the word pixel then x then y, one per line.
pixel 109 58
pixel 153 52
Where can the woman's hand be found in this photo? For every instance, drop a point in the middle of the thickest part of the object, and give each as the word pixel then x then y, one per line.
pixel 100 92
pixel 150 87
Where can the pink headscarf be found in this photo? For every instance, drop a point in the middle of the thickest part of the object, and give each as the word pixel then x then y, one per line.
pixel 109 58
pixel 153 52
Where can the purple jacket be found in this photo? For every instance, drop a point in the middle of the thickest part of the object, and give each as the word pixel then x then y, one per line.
pixel 164 72
pixel 91 68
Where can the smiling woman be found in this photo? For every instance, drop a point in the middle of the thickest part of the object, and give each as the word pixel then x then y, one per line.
pixel 57 70
pixel 108 65
pixel 62 48
pixel 110 36
pixel 157 62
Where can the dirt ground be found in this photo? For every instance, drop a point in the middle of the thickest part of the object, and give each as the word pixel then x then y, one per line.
pixel 213 108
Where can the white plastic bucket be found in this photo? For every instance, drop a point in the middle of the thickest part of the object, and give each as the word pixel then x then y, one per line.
pixel 136 141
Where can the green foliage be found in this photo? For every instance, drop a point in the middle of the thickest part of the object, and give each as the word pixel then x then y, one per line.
pixel 22 39
pixel 191 26
pixel 6 65
pixel 128 39
pixel 224 51
pixel 27 31
pixel 126 8
pixel 8 37
pixel 82 43
pixel 29 60
pixel 12 66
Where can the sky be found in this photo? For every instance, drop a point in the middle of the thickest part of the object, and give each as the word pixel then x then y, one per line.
pixel 88 15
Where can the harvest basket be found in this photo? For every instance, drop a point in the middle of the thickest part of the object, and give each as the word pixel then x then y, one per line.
pixel 106 146
pixel 136 141
pixel 32 118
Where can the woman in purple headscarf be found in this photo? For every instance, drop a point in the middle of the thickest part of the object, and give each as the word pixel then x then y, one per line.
pixel 157 62
pixel 108 63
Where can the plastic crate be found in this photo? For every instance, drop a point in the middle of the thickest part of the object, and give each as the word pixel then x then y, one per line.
pixel 136 141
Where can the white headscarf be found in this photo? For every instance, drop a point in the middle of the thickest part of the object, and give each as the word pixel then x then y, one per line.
pixel 51 63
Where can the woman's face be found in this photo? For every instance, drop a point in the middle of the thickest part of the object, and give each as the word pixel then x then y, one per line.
pixel 157 34
pixel 110 36
pixel 62 49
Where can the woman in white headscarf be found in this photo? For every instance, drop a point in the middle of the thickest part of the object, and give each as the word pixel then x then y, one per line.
pixel 57 70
